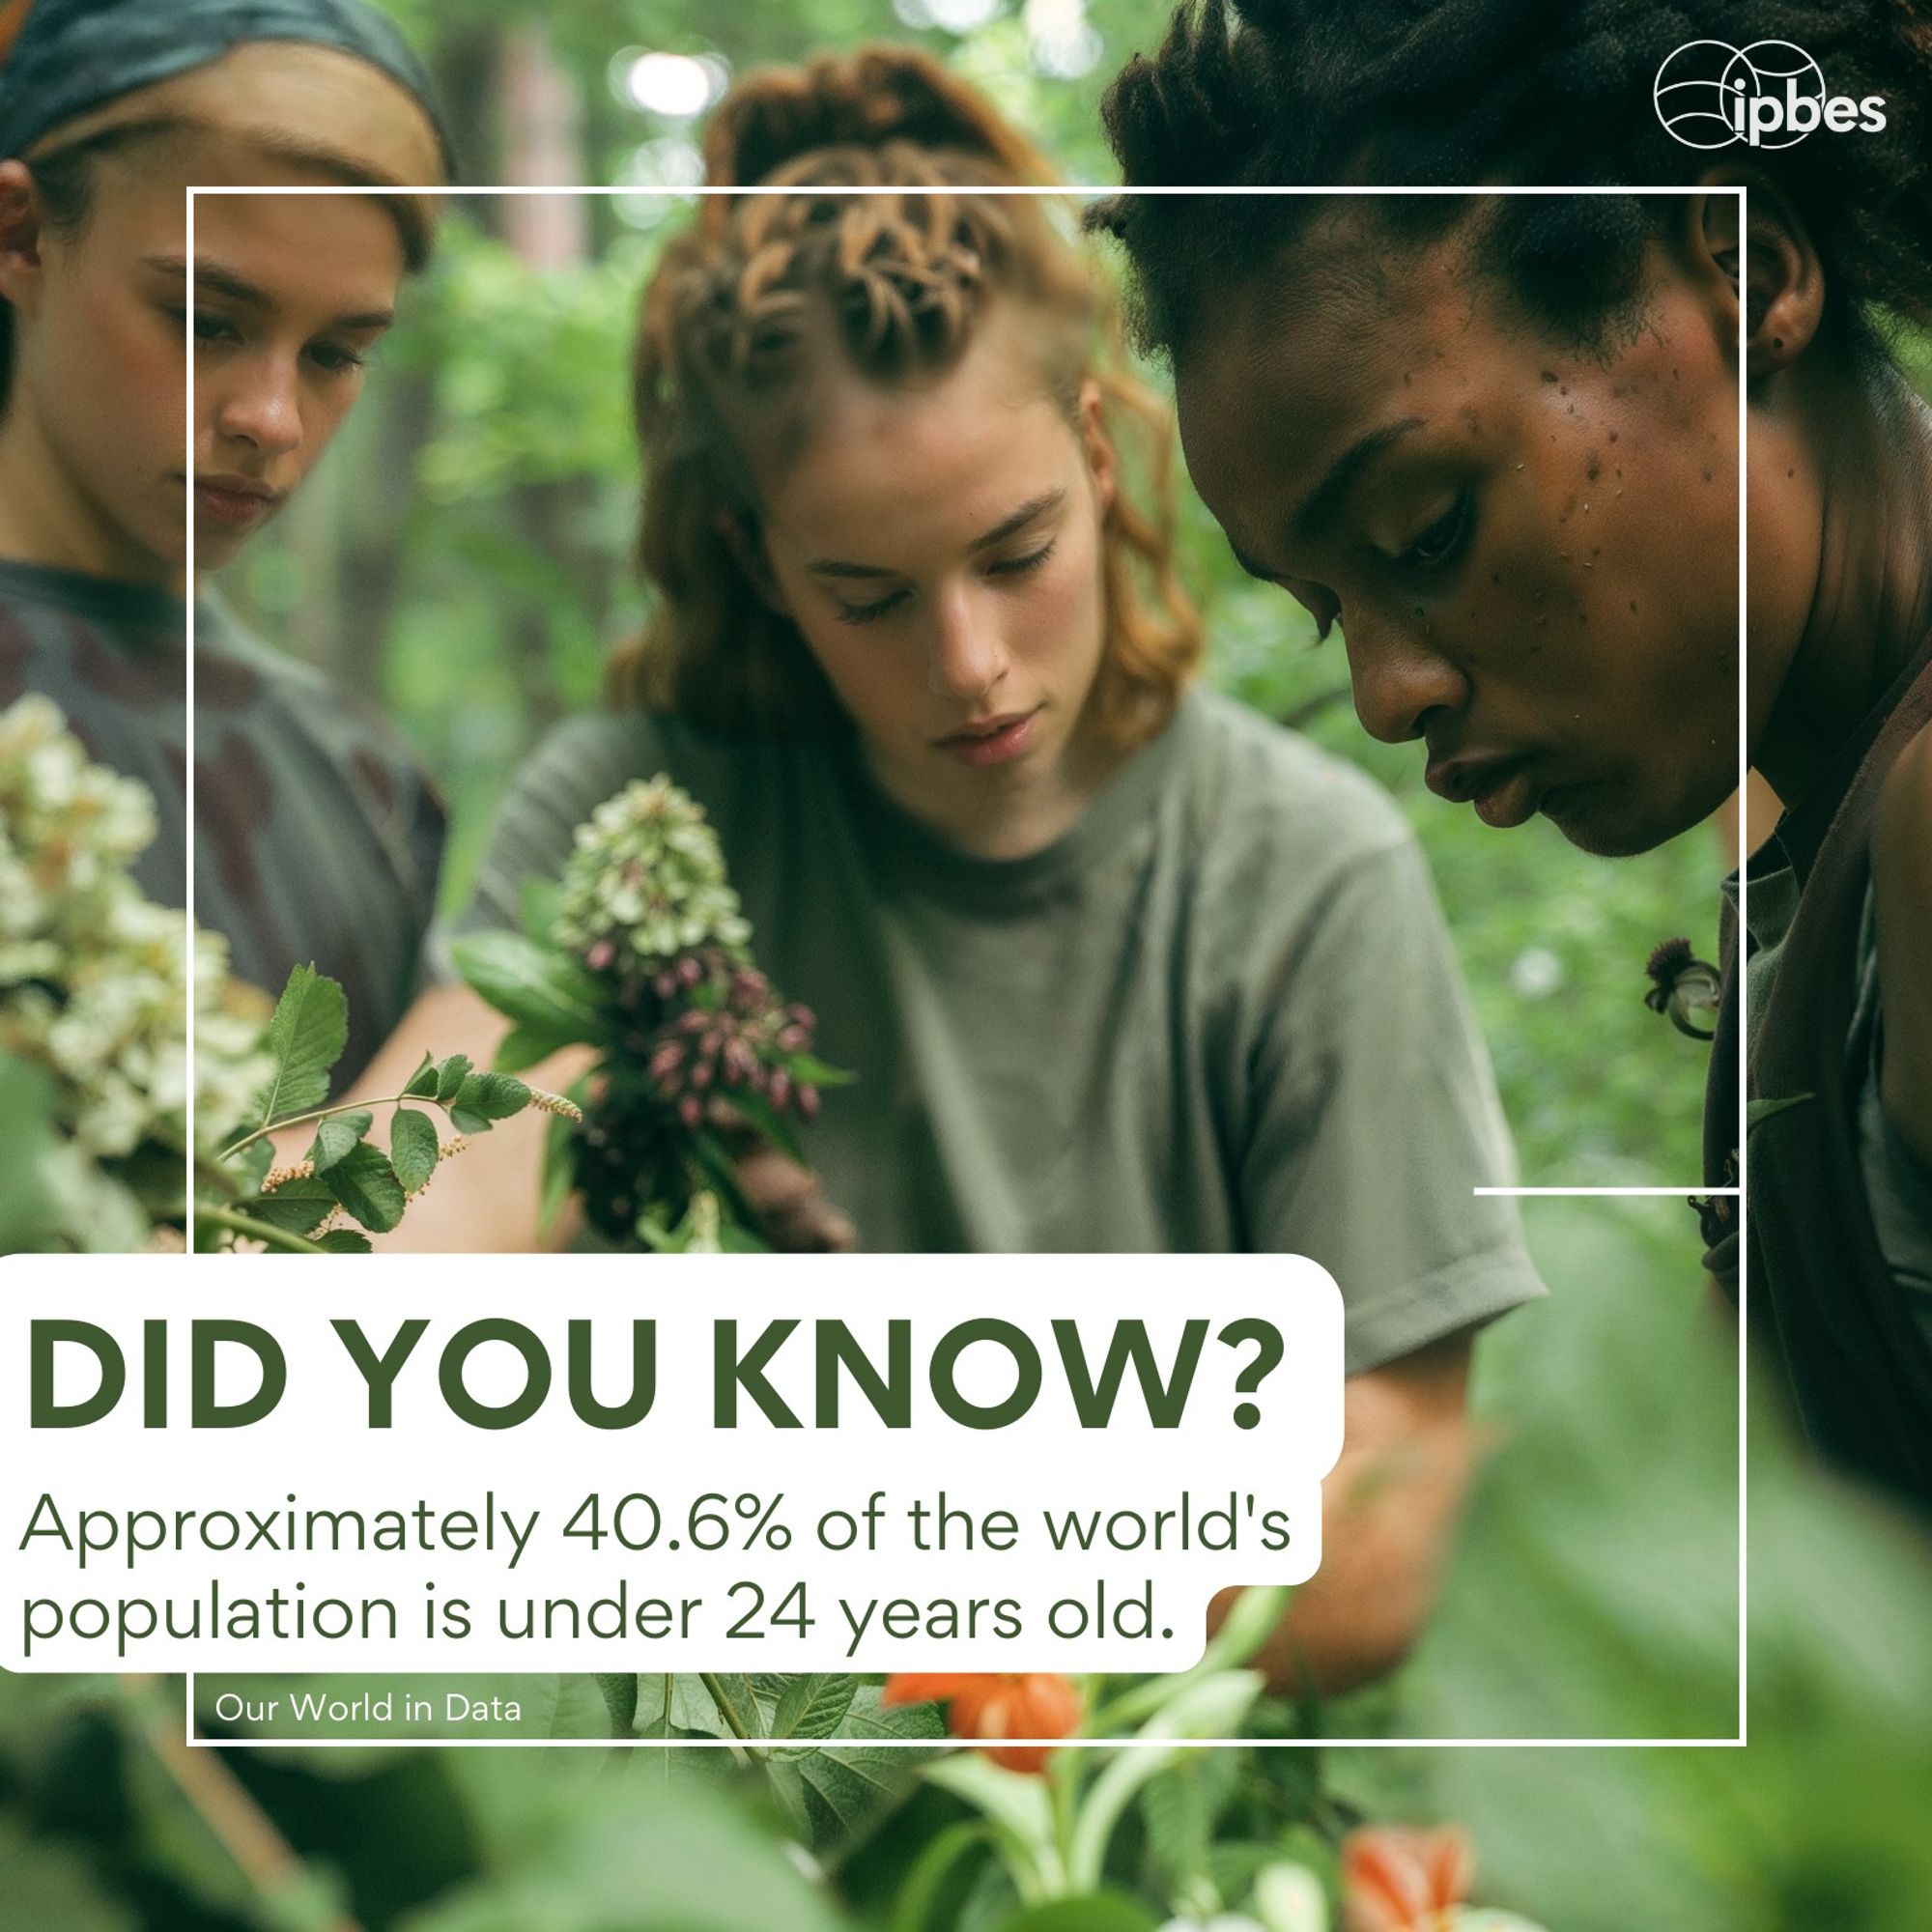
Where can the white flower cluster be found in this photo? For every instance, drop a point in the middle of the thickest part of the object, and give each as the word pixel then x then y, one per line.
pixel 647 883
pixel 94 977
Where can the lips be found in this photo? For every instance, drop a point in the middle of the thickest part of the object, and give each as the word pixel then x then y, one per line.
pixel 233 503
pixel 1503 790
pixel 991 741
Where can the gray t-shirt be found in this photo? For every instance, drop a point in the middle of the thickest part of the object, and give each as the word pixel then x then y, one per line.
pixel 317 835
pixel 1220 1013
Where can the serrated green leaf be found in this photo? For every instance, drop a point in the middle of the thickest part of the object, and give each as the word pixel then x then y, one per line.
pixel 450 1076
pixel 1181 1810
pixel 812 1707
pixel 413 1147
pixel 532 984
pixel 305 1037
pixel 337 1137
pixel 485 1098
pixel 346 1241
pixel 422 1082
pixel 849 1783
pixel 298 1209
pixel 366 1185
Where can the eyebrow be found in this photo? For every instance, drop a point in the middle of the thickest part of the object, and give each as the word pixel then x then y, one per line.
pixel 211 275
pixel 1319 507
pixel 1027 513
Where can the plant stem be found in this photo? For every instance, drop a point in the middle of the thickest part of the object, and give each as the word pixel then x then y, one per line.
pixel 232 1817
pixel 320 1114
pixel 257 1231
pixel 729 1712
pixel 1062 1780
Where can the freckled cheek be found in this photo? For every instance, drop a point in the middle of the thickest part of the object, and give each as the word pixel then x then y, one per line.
pixel 1057 627
pixel 138 379
pixel 880 681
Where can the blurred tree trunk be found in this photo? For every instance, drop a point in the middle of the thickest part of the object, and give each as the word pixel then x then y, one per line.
pixel 543 147
pixel 358 549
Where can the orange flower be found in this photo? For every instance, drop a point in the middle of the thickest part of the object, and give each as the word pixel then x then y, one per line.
pixel 1011 1704
pixel 1404 1881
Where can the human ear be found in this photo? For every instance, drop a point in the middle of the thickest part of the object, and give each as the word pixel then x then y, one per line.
pixel 1102 466
pixel 20 229
pixel 1769 265
pixel 747 545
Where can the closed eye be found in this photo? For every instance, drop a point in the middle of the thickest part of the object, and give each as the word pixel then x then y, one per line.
pixel 869 613
pixel 1018 566
pixel 1444 540
pixel 335 358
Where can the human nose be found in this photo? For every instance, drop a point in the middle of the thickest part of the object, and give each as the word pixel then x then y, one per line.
pixel 968 657
pixel 261 405
pixel 1399 680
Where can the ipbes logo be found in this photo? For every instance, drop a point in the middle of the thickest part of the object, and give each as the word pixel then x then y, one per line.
pixel 1769 94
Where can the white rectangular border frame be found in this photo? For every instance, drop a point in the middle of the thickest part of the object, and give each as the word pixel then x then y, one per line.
pixel 1070 189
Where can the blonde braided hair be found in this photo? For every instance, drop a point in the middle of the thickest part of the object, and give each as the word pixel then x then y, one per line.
pixel 762 289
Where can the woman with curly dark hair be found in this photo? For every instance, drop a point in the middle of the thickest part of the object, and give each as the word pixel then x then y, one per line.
pixel 1492 439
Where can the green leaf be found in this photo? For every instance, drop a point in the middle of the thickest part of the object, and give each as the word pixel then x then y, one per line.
pixel 298 1209
pixel 812 1707
pixel 1093 1911
pixel 539 908
pixel 760 1114
pixel 346 1241
pixel 848 1782
pixel 559 1168
pixel 1756 1112
pixel 1181 1810
pixel 526 1045
pixel 27 1194
pixel 450 1076
pixel 366 1185
pixel 305 1037
pixel 816 1072
pixel 1014 1802
pixel 48 1883
pixel 484 1098
pixel 413 1147
pixel 337 1137
pixel 581 1710
pixel 733 1694
pixel 919 1891
pixel 619 1690
pixel 250 1167
pixel 668 1704
pixel 532 984
pixel 423 1080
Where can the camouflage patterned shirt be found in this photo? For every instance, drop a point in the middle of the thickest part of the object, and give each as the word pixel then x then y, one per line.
pixel 317 836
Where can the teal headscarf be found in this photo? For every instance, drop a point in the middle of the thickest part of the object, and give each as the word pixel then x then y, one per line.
pixel 75 55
